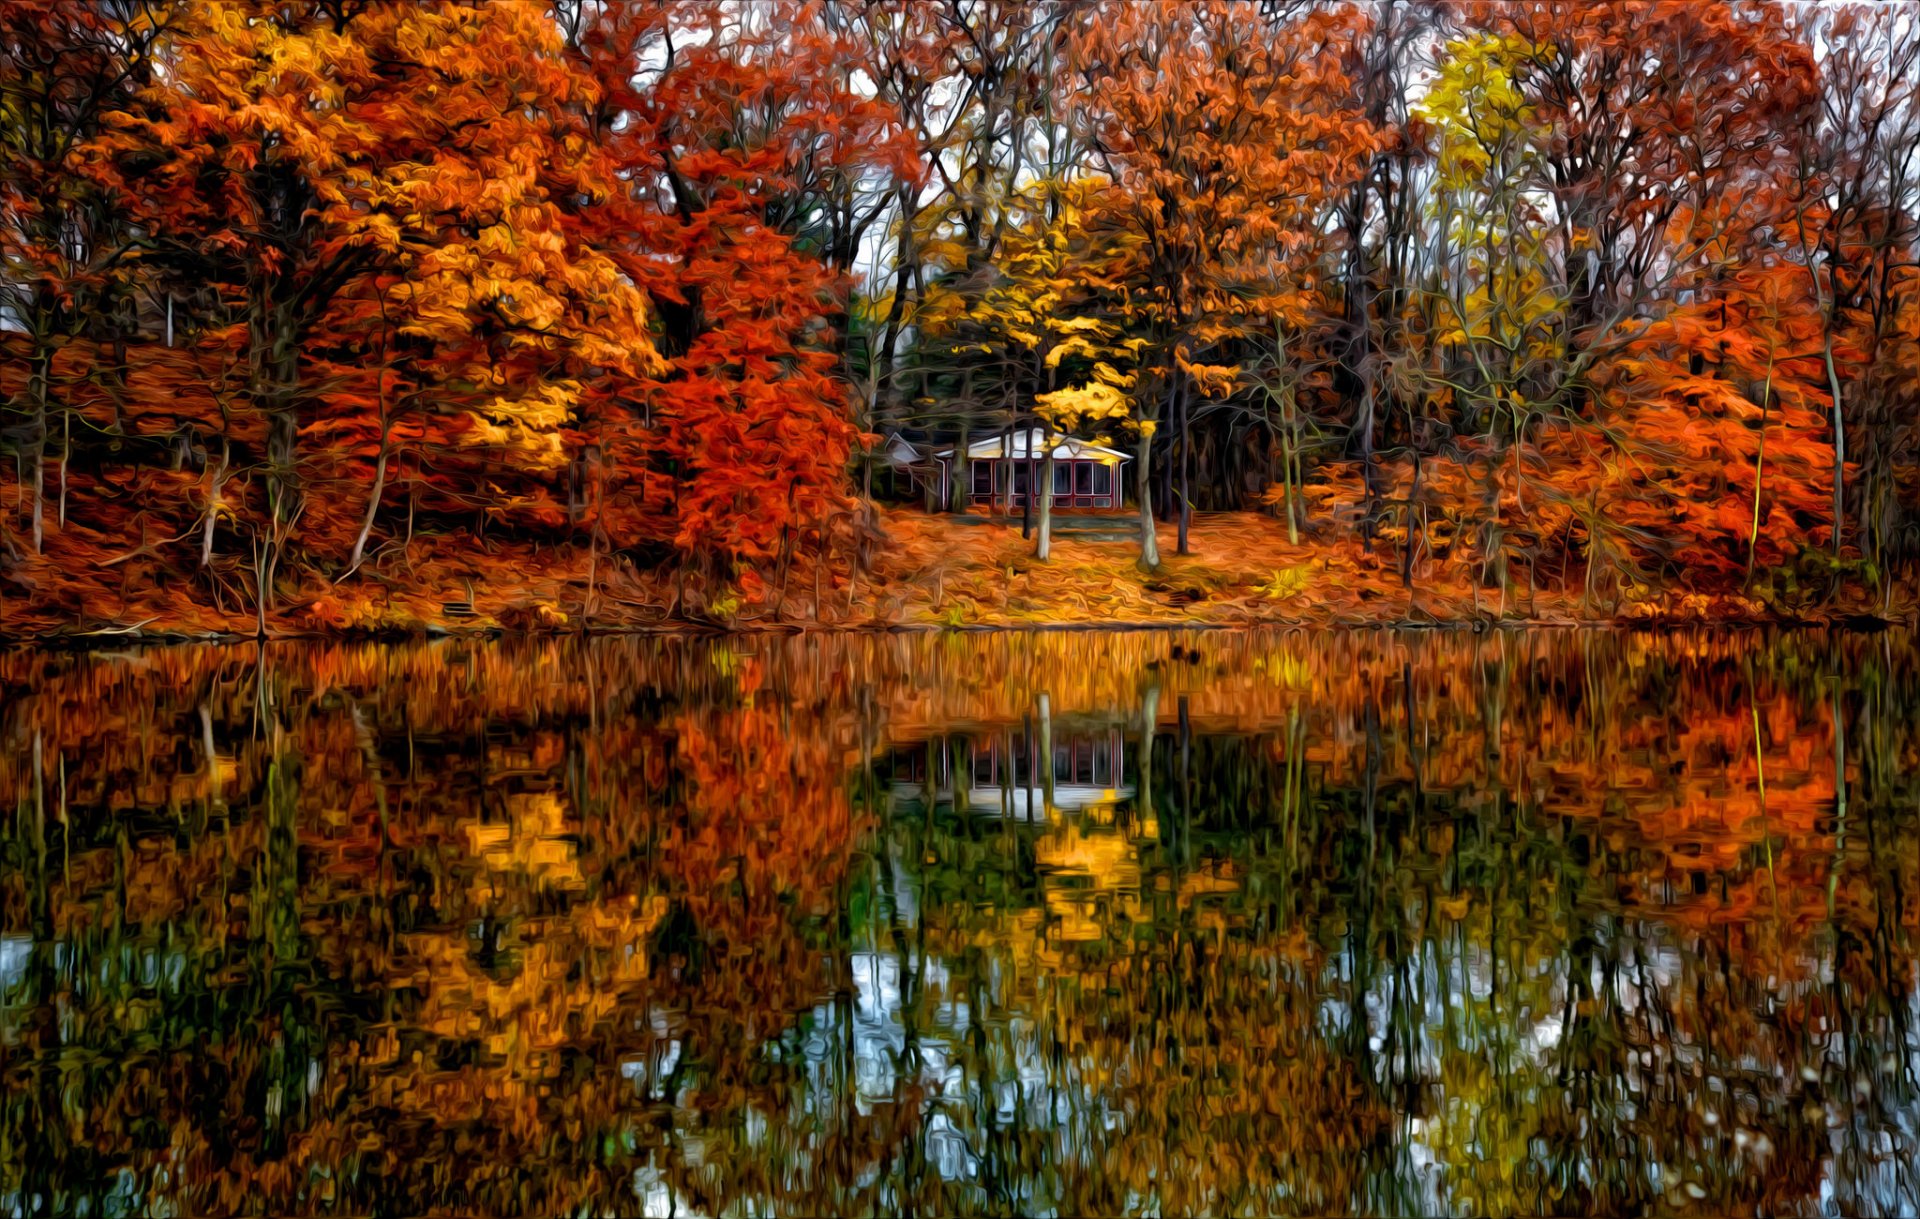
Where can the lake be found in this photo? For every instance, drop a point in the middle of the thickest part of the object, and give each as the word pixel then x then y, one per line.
pixel 1054 923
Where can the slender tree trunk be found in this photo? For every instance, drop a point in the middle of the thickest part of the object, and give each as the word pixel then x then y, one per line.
pixel 373 498
pixel 40 389
pixel 213 507
pixel 1026 501
pixel 1006 460
pixel 1759 471
pixel 1045 547
pixel 1290 465
pixel 1297 508
pixel 66 454
pixel 1365 426
pixel 1185 507
pixel 962 473
pixel 262 586
pixel 1839 439
pixel 1289 430
pixel 1143 482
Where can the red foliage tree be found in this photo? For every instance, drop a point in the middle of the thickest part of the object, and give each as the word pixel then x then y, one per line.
pixel 740 449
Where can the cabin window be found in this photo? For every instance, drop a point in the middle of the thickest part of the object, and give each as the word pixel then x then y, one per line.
pixel 1083 477
pixel 1103 480
pixel 982 478
pixel 1063 478
pixel 985 773
pixel 1020 471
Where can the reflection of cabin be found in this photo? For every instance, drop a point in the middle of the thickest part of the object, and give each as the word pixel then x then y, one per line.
pixel 1002 468
pixel 998 772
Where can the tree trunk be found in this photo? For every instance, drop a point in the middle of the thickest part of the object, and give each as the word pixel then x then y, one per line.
pixel 1143 479
pixel 1185 507
pixel 276 383
pixel 962 474
pixel 1839 438
pixel 213 507
pixel 1296 510
pixel 66 458
pixel 373 500
pixel 1045 546
pixel 1365 426
pixel 1006 459
pixel 1759 473
pixel 1026 501
pixel 40 390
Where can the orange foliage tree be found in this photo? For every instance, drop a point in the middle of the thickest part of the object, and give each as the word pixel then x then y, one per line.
pixel 1227 139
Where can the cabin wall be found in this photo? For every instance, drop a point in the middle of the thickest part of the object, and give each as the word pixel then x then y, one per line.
pixel 1076 483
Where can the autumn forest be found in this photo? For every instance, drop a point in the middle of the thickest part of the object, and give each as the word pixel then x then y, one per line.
pixel 369 315
pixel 508 510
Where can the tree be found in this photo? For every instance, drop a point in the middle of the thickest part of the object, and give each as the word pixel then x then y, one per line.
pixel 1221 136
pixel 1855 226
pixel 345 182
pixel 739 448
pixel 65 250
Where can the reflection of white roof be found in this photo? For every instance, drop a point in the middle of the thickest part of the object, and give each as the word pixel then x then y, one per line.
pixel 1033 442
pixel 1067 797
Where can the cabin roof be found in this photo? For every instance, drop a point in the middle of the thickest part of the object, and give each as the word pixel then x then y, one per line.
pixel 898 450
pixel 1032 442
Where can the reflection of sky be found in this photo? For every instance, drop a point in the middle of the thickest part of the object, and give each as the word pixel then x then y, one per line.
pixel 1452 998
pixel 14 952
pixel 1462 1013
pixel 1874 1170
pixel 890 1060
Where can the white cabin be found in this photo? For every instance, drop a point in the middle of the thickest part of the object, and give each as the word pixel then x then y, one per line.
pixel 1002 468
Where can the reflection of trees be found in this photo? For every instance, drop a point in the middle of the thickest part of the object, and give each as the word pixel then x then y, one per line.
pixel 1555 930
pixel 1372 923
pixel 363 930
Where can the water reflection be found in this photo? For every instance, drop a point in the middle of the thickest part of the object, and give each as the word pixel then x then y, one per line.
pixel 1263 923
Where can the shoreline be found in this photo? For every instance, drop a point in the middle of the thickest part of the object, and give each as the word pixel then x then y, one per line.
pixel 929 573
pixel 60 641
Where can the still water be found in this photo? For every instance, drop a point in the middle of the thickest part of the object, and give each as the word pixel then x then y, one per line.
pixel 964 924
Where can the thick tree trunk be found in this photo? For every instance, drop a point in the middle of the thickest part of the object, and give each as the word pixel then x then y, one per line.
pixel 276 385
pixel 888 356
